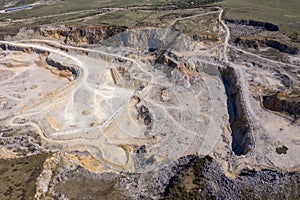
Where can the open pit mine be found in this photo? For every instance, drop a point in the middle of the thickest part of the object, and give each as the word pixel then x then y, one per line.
pixel 113 112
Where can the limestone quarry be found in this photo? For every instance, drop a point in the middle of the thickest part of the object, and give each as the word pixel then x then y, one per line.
pixel 148 112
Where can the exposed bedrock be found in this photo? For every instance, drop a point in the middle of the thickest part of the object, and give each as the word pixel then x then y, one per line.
pixel 3 47
pixel 151 38
pixel 265 25
pixel 23 49
pixel 75 72
pixel 252 42
pixel 283 102
pixel 167 58
pixel 90 35
pixel 203 178
pixel 242 141
pixel 189 177
pixel 285 80
pixel 280 46
pixel 71 69
pixel 145 115
pixel 147 185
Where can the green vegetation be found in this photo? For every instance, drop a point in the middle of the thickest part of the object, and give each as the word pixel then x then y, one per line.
pixel 72 18
pixel 282 150
pixel 18 176
pixel 194 3
pixel 137 18
pixel 199 25
pixel 65 6
pixel 134 17
pixel 285 14
pixel 83 184
pixel 17 3
pixel 126 18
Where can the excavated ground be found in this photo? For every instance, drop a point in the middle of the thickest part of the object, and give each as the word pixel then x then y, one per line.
pixel 153 113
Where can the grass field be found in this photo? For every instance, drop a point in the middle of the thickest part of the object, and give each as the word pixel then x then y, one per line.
pixel 284 13
pixel 15 3
pixel 72 6
pixel 136 18
pixel 61 6
pixel 18 176
pixel 64 6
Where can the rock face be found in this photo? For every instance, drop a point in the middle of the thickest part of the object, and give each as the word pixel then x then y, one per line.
pixel 242 141
pixel 267 26
pixel 207 37
pixel 167 58
pixel 280 46
pixel 207 181
pixel 23 49
pixel 89 35
pixel 190 177
pixel 175 97
pixel 252 42
pixel 70 70
pixel 283 102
